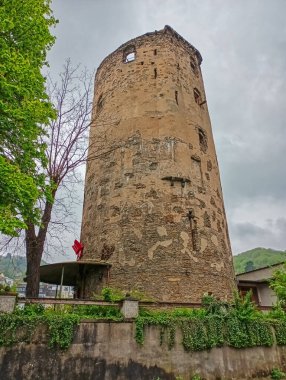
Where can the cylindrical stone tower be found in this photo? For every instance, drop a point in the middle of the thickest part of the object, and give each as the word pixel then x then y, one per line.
pixel 153 205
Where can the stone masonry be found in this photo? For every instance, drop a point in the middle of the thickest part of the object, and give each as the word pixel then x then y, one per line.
pixel 153 205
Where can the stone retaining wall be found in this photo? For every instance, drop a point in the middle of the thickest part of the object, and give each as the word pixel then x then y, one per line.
pixel 108 351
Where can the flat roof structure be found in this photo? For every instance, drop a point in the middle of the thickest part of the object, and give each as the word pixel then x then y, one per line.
pixel 67 273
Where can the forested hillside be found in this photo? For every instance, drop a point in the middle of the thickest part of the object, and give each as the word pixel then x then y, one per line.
pixel 14 266
pixel 257 258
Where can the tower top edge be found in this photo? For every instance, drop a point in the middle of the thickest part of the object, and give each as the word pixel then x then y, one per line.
pixel 166 29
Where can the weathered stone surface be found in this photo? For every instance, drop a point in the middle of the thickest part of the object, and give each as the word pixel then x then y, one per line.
pixel 108 351
pixel 130 308
pixel 7 304
pixel 151 122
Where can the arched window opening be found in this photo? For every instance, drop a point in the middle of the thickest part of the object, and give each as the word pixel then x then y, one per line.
pixel 99 104
pixel 129 54
pixel 197 96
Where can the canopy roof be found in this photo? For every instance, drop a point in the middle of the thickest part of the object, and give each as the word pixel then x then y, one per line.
pixel 52 273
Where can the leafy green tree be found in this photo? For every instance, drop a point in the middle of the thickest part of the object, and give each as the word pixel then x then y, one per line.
pixel 24 108
pixel 278 284
pixel 249 266
pixel 65 147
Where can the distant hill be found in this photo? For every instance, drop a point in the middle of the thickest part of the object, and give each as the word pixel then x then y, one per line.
pixel 14 266
pixel 257 258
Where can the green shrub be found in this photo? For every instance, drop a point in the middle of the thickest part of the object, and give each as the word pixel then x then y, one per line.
pixel 112 295
pixel 238 324
pixel 276 374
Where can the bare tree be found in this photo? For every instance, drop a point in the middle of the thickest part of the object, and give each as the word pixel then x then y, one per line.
pixel 66 142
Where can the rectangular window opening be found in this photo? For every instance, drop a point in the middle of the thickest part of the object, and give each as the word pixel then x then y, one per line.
pixel 176 97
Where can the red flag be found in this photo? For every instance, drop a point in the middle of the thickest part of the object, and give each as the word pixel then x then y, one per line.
pixel 78 248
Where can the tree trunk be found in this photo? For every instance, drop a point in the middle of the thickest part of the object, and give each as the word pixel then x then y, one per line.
pixel 34 251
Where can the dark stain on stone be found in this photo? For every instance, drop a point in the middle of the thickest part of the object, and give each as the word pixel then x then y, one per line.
pixel 209 165
pixel 153 166
pixel 41 363
pixel 152 194
pixel 207 220
pixel 139 185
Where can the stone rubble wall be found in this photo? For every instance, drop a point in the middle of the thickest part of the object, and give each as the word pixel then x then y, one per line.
pixel 164 237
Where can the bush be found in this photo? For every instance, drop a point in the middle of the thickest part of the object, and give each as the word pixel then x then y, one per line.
pixel 276 374
pixel 112 295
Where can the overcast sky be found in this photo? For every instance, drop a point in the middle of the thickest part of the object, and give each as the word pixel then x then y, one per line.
pixel 243 44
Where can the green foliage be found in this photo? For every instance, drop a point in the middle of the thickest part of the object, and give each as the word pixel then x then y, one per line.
pixel 98 312
pixel 61 323
pixel 237 324
pixel 243 307
pixel 214 306
pixel 278 284
pixel 202 334
pixel 140 296
pixel 276 374
pixel 24 107
pixel 260 257
pixel 196 377
pixel 240 333
pixel 112 295
pixel 7 289
pixel 277 312
pixel 14 267
pixel 17 328
pixel 249 266
pixel 61 329
pixel 280 332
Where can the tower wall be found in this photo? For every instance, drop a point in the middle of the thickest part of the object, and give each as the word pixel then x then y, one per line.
pixel 153 204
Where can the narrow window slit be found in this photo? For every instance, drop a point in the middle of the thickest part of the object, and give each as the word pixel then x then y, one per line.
pixel 194 230
pixel 155 73
pixel 176 97
pixel 197 96
pixel 99 104
pixel 203 140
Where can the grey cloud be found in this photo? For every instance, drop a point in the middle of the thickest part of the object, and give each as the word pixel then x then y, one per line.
pixel 243 44
pixel 244 230
pixel 247 235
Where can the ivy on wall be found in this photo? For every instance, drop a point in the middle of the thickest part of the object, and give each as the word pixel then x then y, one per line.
pixel 60 324
pixel 237 325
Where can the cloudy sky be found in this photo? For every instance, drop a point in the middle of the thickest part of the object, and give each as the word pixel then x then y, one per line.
pixel 243 44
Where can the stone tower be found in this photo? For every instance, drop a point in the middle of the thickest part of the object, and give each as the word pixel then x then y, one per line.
pixel 153 205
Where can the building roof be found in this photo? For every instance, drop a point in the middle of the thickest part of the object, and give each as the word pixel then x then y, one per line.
pixel 52 273
pixel 259 275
